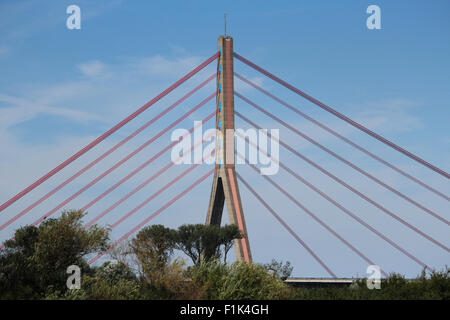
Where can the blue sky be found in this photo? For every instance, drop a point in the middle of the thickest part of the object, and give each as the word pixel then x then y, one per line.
pixel 61 88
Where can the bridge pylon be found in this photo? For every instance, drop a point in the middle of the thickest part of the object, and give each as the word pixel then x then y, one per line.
pixel 225 187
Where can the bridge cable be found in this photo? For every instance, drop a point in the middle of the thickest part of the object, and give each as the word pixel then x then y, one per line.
pixel 343 160
pixel 101 176
pixel 177 178
pixel 312 215
pixel 339 206
pixel 108 133
pixel 132 174
pixel 157 212
pixel 153 177
pixel 286 226
pixel 343 117
pixel 142 166
pixel 104 155
pixel 346 140
pixel 361 195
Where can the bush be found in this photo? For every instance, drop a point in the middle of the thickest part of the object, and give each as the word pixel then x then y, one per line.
pixel 35 262
pixel 435 286
pixel 94 288
pixel 210 276
pixel 239 281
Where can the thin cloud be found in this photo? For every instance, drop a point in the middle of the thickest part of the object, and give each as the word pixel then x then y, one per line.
pixel 161 66
pixel 49 16
pixel 390 115
pixel 93 68
pixel 19 110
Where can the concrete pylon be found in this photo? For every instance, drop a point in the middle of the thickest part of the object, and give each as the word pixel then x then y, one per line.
pixel 225 187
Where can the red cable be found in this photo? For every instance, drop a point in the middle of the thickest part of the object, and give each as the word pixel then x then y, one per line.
pixel 342 208
pixel 348 141
pixel 142 166
pixel 343 117
pixel 153 196
pixel 107 133
pixel 76 194
pixel 350 164
pixel 129 214
pixel 312 215
pixel 361 195
pixel 157 212
pixel 285 225
pixel 146 182
pixel 133 173
pixel 104 155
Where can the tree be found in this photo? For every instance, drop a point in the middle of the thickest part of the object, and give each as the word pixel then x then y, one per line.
pixel 153 246
pixel 189 240
pixel 111 281
pixel 113 272
pixel 203 242
pixel 37 259
pixel 278 270
pixel 228 234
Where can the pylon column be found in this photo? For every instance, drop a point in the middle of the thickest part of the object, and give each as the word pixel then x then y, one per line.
pixel 225 187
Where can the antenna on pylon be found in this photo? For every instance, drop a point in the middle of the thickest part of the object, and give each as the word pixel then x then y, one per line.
pixel 225 23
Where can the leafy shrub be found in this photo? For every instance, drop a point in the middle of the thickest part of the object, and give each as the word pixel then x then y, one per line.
pixel 239 281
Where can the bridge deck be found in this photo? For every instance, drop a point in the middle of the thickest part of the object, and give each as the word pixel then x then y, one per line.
pixel 319 282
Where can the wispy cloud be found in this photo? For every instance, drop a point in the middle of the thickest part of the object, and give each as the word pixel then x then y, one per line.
pixel 162 66
pixel 390 115
pixel 92 68
pixel 19 110
pixel 18 19
pixel 100 88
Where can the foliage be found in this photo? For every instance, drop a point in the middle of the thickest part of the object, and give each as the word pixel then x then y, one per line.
pixel 152 248
pixel 171 282
pixel 33 266
pixel 203 242
pixel 160 278
pixel 189 240
pixel 435 285
pixel 95 288
pixel 227 235
pixel 210 276
pixel 113 272
pixel 252 282
pixel 277 269
pixel 36 260
pixel 239 281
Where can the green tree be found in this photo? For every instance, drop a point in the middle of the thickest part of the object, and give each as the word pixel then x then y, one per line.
pixel 18 278
pixel 278 269
pixel 227 235
pixel 111 281
pixel 36 260
pixel 153 246
pixel 204 242
pixel 113 272
pixel 189 240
